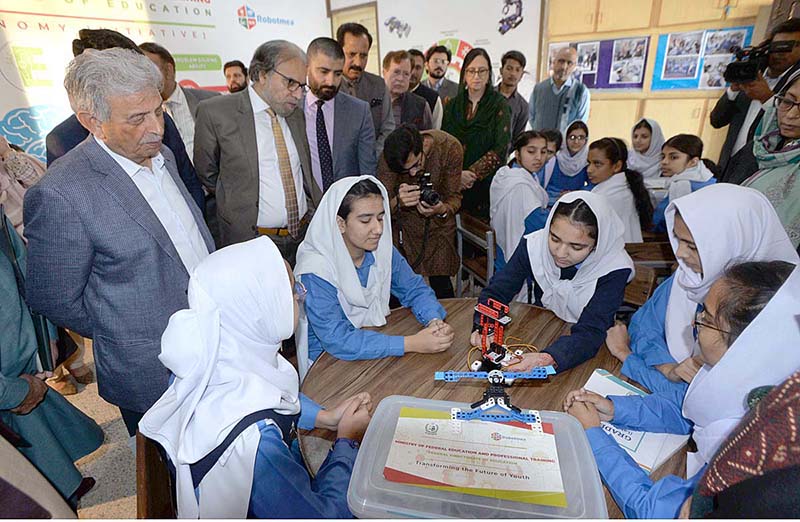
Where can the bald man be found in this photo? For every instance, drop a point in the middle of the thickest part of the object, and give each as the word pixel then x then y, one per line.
pixel 561 99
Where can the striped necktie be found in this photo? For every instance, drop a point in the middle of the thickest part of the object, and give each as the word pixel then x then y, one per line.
pixel 290 194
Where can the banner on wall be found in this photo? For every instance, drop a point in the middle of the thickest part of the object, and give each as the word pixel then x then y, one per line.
pixel 36 45
pixel 495 25
pixel 608 64
pixel 696 59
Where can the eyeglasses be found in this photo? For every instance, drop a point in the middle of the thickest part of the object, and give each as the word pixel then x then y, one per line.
pixel 299 291
pixel 291 84
pixel 784 104
pixel 576 137
pixel 416 166
pixel 699 315
pixel 480 73
pixel 440 61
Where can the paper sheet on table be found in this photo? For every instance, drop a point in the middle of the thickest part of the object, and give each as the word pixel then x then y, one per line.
pixel 649 450
pixel 512 461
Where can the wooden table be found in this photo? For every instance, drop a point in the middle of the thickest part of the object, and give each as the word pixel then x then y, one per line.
pixel 331 380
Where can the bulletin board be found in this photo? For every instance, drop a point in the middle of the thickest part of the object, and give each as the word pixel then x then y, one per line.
pixel 608 64
pixel 696 59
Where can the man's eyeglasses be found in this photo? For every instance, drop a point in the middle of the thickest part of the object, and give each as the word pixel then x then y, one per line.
pixel 480 73
pixel 299 291
pixel 415 167
pixel 784 104
pixel 577 137
pixel 699 320
pixel 291 84
pixel 440 61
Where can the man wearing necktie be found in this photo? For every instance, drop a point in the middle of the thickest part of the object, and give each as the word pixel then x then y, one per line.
pixel 350 150
pixel 251 150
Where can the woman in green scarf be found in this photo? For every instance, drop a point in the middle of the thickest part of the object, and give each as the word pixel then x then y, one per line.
pixel 480 118
pixel 777 150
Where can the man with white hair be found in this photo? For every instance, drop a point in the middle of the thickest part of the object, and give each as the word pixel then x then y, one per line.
pixel 113 234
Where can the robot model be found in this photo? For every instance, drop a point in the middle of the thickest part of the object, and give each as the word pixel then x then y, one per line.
pixel 510 21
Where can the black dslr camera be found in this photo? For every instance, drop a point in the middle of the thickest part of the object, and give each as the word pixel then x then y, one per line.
pixel 426 190
pixel 752 60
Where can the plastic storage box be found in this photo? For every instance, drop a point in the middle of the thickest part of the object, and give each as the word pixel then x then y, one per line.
pixel 370 495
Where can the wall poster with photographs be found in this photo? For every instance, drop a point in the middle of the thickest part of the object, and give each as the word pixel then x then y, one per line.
pixel 608 64
pixel 697 59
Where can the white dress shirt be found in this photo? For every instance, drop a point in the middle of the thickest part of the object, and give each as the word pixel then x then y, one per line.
pixel 177 107
pixel 271 197
pixel 162 194
pixel 752 113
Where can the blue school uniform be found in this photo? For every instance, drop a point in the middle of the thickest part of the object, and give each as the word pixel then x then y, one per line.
pixel 589 332
pixel 560 182
pixel 633 490
pixel 648 336
pixel 659 220
pixel 330 329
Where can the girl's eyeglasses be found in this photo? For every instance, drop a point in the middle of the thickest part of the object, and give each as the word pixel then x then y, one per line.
pixel 699 315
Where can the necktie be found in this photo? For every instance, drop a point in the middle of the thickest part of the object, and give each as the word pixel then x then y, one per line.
pixel 324 149
pixel 290 194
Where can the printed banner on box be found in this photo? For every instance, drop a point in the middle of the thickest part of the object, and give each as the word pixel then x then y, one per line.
pixel 511 461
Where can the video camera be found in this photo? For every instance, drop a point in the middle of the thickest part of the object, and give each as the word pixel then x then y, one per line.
pixel 752 60
pixel 426 191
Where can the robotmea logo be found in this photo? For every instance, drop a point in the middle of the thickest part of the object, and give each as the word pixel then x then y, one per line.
pixel 248 18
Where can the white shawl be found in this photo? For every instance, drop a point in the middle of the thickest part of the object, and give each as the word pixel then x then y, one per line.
pixel 571 164
pixel 324 254
pixel 649 163
pixel 729 224
pixel 766 353
pixel 568 297
pixel 680 185
pixel 513 194
pixel 223 351
pixel 619 195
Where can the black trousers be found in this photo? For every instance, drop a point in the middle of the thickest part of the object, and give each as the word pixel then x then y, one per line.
pixel 131 419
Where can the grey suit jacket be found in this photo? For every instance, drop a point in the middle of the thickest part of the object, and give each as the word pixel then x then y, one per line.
pixel 195 96
pixel 372 89
pixel 226 160
pixel 353 138
pixel 448 90
pixel 100 263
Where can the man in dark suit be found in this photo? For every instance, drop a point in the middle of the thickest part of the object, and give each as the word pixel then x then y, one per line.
pixel 69 133
pixel 356 42
pixel 341 138
pixel 407 107
pixel 112 232
pixel 417 87
pixel 437 60
pixel 251 149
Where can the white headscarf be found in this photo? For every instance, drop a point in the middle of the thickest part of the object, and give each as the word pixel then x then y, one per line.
pixel 620 196
pixel 729 223
pixel 513 194
pixel 649 163
pixel 569 164
pixel 766 353
pixel 223 351
pixel 680 185
pixel 324 254
pixel 568 297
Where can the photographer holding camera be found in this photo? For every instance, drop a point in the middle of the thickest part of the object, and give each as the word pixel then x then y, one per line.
pixel 760 72
pixel 422 174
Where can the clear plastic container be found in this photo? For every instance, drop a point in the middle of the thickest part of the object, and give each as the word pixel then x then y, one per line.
pixel 370 495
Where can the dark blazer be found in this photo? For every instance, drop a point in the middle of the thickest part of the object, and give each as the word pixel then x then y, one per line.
pixel 741 166
pixel 70 133
pixel 195 96
pixel 429 94
pixel 412 110
pixel 226 158
pixel 353 138
pixel 372 89
pixel 101 264
pixel 732 114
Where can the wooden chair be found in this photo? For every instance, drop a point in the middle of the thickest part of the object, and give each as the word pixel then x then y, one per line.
pixel 639 290
pixel 658 237
pixel 154 492
pixel 655 254
pixel 480 235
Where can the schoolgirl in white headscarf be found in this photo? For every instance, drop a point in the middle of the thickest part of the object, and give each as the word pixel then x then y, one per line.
pixel 337 252
pixel 579 269
pixel 568 171
pixel 708 229
pixel 645 155
pixel 224 354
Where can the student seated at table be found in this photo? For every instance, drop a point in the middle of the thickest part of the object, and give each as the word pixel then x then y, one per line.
pixel 568 171
pixel 578 268
pixel 608 171
pixel 687 170
pixel 349 268
pixel 645 154
pixel 748 337
pixel 707 229
pixel 515 192
pixel 227 419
